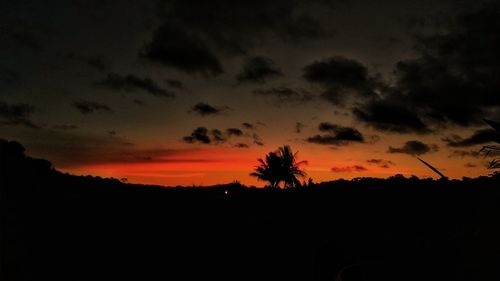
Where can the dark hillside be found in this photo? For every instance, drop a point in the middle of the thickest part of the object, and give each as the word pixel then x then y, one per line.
pixel 56 226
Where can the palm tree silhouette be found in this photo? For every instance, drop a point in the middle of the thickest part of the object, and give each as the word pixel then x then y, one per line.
pixel 280 166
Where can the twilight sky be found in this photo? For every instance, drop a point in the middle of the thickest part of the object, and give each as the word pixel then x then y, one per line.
pixel 193 92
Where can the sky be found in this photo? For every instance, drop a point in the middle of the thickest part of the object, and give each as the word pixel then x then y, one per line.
pixel 184 92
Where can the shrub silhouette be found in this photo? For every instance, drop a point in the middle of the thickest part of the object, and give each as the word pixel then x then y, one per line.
pixel 280 166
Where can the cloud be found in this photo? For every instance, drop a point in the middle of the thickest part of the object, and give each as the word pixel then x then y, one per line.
pixel 235 26
pixel 478 137
pixel 257 140
pixel 349 169
pixel 88 107
pixel 454 80
pixel 64 127
pixel 341 79
pixel 73 149
pixel 26 38
pixel 380 163
pixel 17 114
pixel 336 135
pixel 249 126
pixel 200 134
pixel 132 83
pixel 413 147
pixel 390 116
pixel 192 34
pixel 183 50
pixel 216 136
pixel 470 165
pixel 258 70
pixel 241 145
pixel 464 153
pixel 285 94
pixel 204 109
pixel 96 62
pixel 173 83
pixel 8 77
pixel 298 127
pixel 138 102
pixel 234 132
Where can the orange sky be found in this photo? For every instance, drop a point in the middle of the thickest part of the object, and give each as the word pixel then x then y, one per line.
pixel 230 164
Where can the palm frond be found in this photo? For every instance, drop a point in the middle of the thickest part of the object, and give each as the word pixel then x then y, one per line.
pixel 492 149
pixel 280 166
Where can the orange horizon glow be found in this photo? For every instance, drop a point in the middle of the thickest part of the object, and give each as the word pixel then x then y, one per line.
pixel 220 166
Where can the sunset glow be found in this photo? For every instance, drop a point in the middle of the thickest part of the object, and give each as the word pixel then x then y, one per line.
pixel 229 166
pixel 165 93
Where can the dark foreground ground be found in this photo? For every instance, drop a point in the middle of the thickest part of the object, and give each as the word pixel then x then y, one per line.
pixel 61 227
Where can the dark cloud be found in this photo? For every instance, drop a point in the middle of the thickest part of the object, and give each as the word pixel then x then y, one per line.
pixel 183 50
pixel 470 165
pixel 285 95
pixel 249 126
pixel 234 132
pixel 71 148
pixel 341 79
pixel 117 151
pixel 336 135
pixel 381 163
pixel 336 112
pixel 215 136
pixel 173 83
pixel 241 145
pixel 218 136
pixel 192 34
pixel 200 134
pixel 257 140
pixel 235 26
pixel 204 109
pixel 298 127
pixel 26 38
pixel 8 77
pixel 390 116
pixel 413 148
pixel 132 83
pixel 64 127
pixel 386 41
pixel 464 153
pixel 349 169
pixel 17 114
pixel 454 80
pixel 478 137
pixel 259 70
pixel 495 125
pixel 138 102
pixel 96 62
pixel 88 107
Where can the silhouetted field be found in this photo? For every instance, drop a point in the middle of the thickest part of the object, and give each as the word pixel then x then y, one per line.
pixel 61 227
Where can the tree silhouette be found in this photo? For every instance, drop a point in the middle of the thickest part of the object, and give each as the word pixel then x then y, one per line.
pixel 280 166
pixel 493 149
